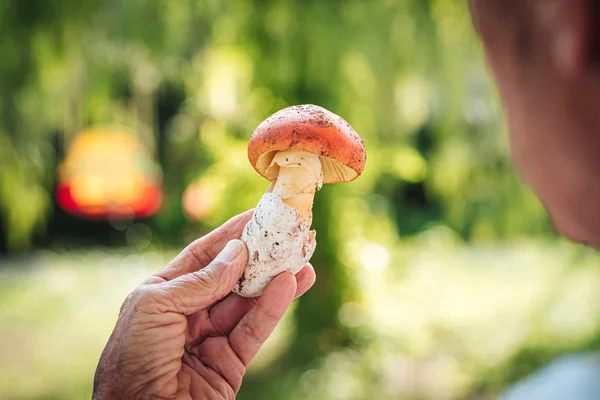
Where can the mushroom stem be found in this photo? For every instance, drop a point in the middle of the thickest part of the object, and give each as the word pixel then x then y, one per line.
pixel 278 236
pixel 299 177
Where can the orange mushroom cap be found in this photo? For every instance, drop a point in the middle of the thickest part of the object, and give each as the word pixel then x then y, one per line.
pixel 312 129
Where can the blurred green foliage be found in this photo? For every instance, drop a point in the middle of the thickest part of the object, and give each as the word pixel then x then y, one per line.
pixel 445 321
pixel 194 78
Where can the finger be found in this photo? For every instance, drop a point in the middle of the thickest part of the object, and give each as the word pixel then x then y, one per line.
pixel 256 326
pixel 225 315
pixel 305 279
pixel 197 290
pixel 202 251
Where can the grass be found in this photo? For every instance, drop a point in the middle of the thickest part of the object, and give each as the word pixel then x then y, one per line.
pixel 446 320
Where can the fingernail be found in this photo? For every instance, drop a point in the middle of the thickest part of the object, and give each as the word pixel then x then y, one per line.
pixel 231 251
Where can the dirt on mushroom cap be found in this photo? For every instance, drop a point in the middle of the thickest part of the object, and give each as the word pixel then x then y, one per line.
pixel 315 130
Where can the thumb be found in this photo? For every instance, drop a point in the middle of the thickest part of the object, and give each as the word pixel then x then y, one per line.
pixel 200 289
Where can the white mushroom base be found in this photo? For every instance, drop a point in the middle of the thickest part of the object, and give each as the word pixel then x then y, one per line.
pixel 278 240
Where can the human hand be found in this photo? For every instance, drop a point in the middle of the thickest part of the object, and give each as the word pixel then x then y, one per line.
pixel 182 334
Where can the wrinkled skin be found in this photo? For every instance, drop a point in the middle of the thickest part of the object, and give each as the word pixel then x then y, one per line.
pixel 182 334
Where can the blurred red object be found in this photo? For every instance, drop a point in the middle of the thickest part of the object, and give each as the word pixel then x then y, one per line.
pixel 197 202
pixel 107 173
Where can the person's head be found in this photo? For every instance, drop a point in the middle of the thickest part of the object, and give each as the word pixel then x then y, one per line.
pixel 545 58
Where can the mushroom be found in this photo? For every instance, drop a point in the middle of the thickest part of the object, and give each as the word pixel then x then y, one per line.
pixel 298 149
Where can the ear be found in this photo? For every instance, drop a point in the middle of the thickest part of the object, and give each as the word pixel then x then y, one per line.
pixel 568 28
